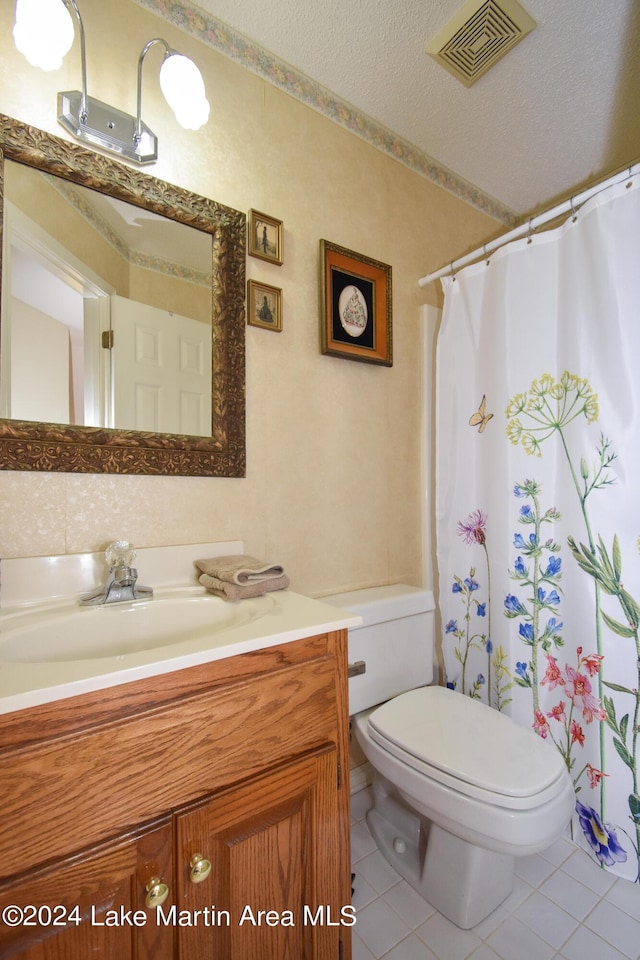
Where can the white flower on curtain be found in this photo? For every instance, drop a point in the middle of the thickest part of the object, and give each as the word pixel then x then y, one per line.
pixel 537 517
pixel 533 418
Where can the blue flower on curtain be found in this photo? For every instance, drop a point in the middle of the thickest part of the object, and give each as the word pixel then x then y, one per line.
pixel 602 837
pixel 467 638
pixel 547 408
pixel 538 571
pixel 606 569
pixel 560 349
pixel 497 682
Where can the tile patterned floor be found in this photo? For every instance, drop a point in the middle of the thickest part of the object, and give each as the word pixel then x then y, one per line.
pixel 563 907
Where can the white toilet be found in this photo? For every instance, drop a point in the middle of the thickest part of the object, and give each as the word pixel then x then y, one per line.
pixel 459 788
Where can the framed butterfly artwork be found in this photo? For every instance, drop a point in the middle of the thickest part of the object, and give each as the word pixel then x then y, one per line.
pixel 356 320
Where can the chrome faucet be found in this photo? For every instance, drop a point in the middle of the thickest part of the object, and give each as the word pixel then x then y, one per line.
pixel 121 584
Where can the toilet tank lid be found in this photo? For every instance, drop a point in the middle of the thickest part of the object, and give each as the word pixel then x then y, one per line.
pixel 381 604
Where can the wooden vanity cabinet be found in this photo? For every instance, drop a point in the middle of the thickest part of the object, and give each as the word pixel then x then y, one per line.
pixel 66 906
pixel 221 790
pixel 268 841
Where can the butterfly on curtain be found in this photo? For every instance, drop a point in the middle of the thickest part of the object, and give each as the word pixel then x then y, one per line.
pixel 480 418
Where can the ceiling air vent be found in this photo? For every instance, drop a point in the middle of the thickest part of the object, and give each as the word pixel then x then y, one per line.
pixel 480 34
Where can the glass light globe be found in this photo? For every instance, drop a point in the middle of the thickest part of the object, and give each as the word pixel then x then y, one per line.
pixel 183 88
pixel 43 32
pixel 194 115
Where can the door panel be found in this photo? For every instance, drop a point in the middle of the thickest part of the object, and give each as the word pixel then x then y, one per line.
pixel 161 370
pixel 92 905
pixel 271 844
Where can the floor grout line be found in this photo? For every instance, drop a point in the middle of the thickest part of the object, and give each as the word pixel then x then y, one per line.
pixel 564 893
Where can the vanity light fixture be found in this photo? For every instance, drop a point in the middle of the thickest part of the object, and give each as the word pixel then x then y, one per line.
pixel 43 32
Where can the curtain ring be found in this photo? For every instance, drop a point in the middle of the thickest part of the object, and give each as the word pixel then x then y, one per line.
pixel 574 215
pixel 453 276
pixel 484 250
pixel 530 231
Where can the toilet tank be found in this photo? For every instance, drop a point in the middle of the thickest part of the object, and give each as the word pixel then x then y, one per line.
pixel 395 641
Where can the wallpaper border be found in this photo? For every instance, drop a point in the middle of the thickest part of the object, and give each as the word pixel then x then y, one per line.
pixel 217 34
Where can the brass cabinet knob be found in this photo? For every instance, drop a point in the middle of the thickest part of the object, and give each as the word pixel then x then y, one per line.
pixel 199 868
pixel 157 892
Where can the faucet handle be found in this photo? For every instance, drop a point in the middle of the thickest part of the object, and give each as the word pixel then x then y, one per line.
pixel 120 553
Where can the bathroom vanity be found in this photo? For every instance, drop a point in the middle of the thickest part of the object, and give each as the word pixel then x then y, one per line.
pixel 223 787
pixel 194 812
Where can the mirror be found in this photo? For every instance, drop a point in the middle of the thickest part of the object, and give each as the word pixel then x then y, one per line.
pixel 107 422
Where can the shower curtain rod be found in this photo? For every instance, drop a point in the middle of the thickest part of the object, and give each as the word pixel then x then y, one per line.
pixel 568 206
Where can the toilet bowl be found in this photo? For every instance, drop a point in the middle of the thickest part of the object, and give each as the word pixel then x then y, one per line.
pixel 459 789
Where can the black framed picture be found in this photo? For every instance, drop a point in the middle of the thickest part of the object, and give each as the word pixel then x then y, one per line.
pixel 264 305
pixel 265 237
pixel 356 321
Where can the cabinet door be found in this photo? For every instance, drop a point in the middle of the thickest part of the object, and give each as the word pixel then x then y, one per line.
pixel 272 890
pixel 92 905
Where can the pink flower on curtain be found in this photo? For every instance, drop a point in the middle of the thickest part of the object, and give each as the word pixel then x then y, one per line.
pixel 578 705
pixel 595 776
pixel 591 662
pixel 577 733
pixel 578 689
pixel 557 713
pixel 553 676
pixel 540 724
pixel 473 528
pixel 576 685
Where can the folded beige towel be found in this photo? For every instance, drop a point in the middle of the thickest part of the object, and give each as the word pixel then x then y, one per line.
pixel 238 577
pixel 239 569
pixel 236 591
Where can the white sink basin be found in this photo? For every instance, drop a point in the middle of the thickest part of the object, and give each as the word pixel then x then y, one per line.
pixel 52 649
pixel 69 632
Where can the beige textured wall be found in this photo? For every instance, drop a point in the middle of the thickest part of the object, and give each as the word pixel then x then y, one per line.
pixel 170 293
pixel 31 193
pixel 334 488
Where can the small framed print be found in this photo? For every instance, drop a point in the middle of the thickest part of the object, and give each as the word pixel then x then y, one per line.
pixel 356 321
pixel 265 237
pixel 264 305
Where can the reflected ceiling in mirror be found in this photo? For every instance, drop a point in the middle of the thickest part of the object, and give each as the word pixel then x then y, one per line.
pixel 106 313
pixel 130 288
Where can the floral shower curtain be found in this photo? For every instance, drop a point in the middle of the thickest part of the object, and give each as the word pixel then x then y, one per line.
pixel 537 506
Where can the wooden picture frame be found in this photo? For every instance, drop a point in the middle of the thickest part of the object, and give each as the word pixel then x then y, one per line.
pixel 356 321
pixel 44 446
pixel 264 305
pixel 265 237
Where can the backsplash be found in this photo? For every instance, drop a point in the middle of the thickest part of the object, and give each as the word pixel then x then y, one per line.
pixel 35 579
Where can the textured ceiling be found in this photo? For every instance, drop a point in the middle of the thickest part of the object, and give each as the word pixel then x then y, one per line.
pixel 560 110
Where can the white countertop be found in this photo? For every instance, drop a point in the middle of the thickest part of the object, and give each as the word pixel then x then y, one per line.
pixel 278 617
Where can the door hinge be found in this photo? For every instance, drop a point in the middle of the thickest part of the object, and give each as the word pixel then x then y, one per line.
pixel 339 776
pixel 107 339
pixel 340 950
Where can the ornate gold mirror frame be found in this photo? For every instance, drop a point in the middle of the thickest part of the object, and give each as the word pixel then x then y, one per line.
pixel 27 445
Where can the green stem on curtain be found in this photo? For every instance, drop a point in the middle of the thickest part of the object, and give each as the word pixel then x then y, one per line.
pixel 486 555
pixel 468 642
pixel 536 609
pixel 634 750
pixel 583 506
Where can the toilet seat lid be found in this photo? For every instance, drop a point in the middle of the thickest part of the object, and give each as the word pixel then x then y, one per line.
pixel 466 740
